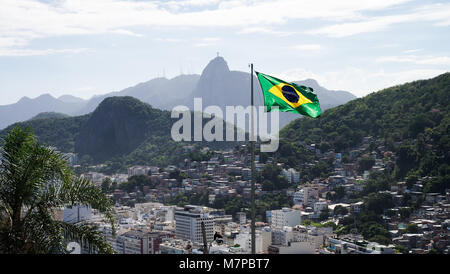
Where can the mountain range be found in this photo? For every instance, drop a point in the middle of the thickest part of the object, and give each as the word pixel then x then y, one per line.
pixel 412 120
pixel 217 85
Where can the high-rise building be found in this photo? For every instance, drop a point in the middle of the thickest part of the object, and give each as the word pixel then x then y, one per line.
pixel 285 217
pixel 188 224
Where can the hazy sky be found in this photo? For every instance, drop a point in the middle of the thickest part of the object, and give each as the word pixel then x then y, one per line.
pixel 94 47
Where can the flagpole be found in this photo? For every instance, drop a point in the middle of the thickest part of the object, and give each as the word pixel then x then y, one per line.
pixel 252 178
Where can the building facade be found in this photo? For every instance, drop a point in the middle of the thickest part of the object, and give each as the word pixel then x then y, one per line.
pixel 188 224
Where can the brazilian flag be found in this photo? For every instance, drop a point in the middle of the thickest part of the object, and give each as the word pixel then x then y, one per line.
pixel 289 97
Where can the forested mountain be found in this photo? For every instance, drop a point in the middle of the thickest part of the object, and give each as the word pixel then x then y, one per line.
pixel 57 132
pixel 119 125
pixel 412 120
pixel 47 115
pixel 122 131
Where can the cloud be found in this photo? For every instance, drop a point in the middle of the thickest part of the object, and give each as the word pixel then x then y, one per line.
pixel 24 20
pixel 207 41
pixel 265 30
pixel 308 47
pixel 170 40
pixel 36 52
pixel 127 32
pixel 176 5
pixel 414 59
pixel 411 51
pixel 438 13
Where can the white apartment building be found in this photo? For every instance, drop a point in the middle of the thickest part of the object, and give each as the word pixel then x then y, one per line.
pixel 263 239
pixel 188 224
pixel 310 195
pixel 319 206
pixel 138 170
pixel 285 217
pixel 297 240
pixel 292 175
pixel 298 197
pixel 282 236
pixel 94 177
pixel 168 213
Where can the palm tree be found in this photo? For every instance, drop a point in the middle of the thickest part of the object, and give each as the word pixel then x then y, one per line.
pixel 34 182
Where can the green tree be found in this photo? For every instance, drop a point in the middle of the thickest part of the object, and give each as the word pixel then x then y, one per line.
pixel 405 213
pixel 401 249
pixel 378 202
pixel 271 179
pixel 106 185
pixel 366 163
pixel 340 210
pixel 34 182
pixel 324 214
pixel 412 228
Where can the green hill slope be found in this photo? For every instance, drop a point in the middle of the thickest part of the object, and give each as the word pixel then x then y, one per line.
pixel 50 115
pixel 411 120
pixel 122 131
pixel 57 132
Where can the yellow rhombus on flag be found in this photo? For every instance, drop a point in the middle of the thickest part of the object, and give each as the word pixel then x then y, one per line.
pixel 288 97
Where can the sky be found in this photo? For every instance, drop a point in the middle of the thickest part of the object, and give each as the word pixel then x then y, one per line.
pixel 90 47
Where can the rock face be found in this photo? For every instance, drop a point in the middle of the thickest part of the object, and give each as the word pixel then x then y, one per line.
pixel 119 125
pixel 220 86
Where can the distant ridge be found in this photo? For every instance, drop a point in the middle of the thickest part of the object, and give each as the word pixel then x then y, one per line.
pixel 217 85
pixel 70 99
pixel 50 115
pixel 27 108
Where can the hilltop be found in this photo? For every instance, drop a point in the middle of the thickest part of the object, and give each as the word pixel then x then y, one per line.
pixel 217 85
pixel 412 120
pixel 122 131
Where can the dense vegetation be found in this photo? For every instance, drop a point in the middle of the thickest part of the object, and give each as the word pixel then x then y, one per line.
pixel 270 178
pixel 47 115
pixel 411 120
pixel 121 132
pixel 34 182
pixel 57 132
